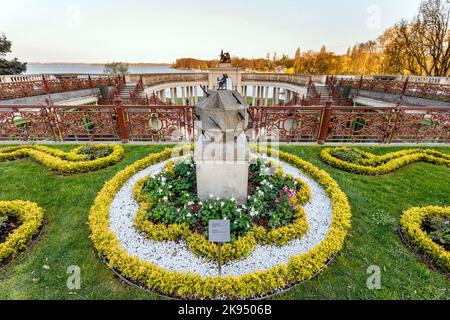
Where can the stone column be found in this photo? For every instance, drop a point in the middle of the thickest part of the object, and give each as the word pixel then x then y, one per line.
pixel 183 95
pixel 266 96
pixel 195 95
pixel 273 95
pixel 259 95
pixel 254 96
pixel 277 96
pixel 173 96
pixel 190 96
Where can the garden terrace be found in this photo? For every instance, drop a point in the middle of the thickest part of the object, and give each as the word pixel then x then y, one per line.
pixel 377 204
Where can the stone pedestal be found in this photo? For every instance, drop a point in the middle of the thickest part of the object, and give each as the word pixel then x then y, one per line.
pixel 222 151
pixel 234 74
pixel 224 180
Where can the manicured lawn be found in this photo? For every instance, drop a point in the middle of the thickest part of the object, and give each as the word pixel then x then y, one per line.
pixel 377 203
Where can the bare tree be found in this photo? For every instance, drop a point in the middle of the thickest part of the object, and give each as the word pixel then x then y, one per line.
pixel 420 46
pixel 432 25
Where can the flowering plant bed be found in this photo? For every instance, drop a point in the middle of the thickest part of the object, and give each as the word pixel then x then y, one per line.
pixel 417 226
pixel 82 159
pixel 298 267
pixel 19 222
pixel 365 163
pixel 171 210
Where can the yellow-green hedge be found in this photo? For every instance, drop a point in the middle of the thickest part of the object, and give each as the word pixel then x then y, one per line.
pixel 30 216
pixel 411 226
pixel 63 162
pixel 379 165
pixel 188 285
pixel 239 249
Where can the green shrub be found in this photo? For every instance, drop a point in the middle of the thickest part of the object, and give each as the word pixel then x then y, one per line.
pixel 439 229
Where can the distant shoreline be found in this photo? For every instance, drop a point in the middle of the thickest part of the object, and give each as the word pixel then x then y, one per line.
pixel 139 64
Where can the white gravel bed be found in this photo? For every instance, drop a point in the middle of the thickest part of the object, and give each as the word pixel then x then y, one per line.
pixel 176 256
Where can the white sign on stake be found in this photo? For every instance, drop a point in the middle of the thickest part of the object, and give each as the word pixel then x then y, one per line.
pixel 219 231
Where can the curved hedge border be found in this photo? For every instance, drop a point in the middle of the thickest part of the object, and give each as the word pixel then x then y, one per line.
pixel 31 217
pixel 194 286
pixel 239 249
pixel 63 162
pixel 411 226
pixel 379 165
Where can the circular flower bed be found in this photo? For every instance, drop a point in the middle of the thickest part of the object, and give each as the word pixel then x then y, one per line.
pixel 417 226
pixel 365 163
pixel 169 268
pixel 19 222
pixel 171 210
pixel 82 159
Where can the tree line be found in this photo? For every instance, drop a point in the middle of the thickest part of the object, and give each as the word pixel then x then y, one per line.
pixel 419 46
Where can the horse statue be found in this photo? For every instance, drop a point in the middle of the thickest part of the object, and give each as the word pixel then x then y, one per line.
pixel 225 57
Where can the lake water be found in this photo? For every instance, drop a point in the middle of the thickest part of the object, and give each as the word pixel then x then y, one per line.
pixel 93 69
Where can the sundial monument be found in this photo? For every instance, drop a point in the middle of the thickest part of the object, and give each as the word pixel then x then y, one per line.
pixel 222 152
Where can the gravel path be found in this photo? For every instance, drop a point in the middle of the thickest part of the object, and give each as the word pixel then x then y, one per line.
pixel 175 256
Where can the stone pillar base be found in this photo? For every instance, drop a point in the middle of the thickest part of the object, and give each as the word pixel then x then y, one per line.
pixel 222 179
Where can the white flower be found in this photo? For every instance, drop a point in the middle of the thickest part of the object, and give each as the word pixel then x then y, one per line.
pixel 165 199
pixel 233 199
pixel 211 195
pixel 225 218
pixel 160 191
pixel 200 203
pixel 190 203
pixel 222 204
pixel 253 212
pixel 218 199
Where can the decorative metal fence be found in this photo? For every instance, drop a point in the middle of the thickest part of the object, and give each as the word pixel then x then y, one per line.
pixel 22 89
pixel 431 91
pixel 177 123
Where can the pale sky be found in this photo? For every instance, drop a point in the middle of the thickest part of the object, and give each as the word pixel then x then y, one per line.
pixel 163 30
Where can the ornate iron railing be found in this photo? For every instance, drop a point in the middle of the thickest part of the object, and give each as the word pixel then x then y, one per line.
pixel 431 91
pixel 23 89
pixel 177 123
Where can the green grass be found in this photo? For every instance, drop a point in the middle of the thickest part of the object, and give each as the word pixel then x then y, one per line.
pixel 377 203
